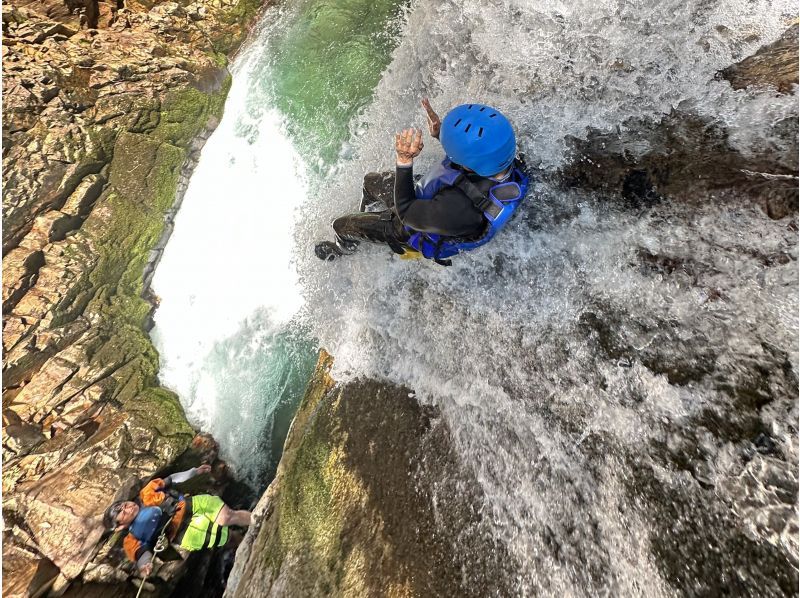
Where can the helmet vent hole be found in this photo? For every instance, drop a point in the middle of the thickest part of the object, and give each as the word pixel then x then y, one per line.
pixel 469 107
pixel 468 128
pixel 482 109
pixel 493 115
pixel 458 121
pixel 480 132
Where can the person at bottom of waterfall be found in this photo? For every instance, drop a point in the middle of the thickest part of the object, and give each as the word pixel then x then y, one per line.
pixel 457 206
pixel 191 522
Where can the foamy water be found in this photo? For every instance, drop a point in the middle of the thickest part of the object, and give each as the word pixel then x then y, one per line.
pixel 565 361
pixel 227 286
pixel 504 342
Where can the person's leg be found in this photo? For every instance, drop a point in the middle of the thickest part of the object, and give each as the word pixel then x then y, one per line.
pixel 228 516
pixel 235 538
pixel 375 227
pixel 378 187
pixel 352 229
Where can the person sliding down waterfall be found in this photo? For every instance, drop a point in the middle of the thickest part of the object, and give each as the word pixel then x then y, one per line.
pixel 162 515
pixel 458 206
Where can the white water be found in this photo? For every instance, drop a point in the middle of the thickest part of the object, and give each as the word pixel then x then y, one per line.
pixel 226 281
pixel 496 341
pixel 499 341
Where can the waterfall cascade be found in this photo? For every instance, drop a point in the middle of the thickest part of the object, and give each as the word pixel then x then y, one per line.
pixel 590 340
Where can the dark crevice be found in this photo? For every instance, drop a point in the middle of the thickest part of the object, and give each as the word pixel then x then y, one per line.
pixel 32 265
pixel 14 234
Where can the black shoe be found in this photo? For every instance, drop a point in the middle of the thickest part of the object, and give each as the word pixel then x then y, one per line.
pixel 327 251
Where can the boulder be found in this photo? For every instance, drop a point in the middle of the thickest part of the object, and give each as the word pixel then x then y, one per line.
pixel 774 65
pixel 355 507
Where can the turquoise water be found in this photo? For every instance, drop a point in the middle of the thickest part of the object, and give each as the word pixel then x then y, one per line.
pixel 229 326
pixel 264 374
pixel 323 59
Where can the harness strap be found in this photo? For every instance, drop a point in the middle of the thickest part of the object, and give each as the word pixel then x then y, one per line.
pixel 217 534
pixel 207 541
pixel 478 199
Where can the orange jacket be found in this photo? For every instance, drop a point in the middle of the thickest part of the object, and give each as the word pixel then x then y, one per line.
pixel 152 495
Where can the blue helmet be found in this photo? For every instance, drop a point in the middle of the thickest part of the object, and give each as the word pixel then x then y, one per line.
pixel 478 137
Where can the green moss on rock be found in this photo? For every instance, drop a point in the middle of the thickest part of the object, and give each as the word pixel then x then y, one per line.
pixel 355 509
pixel 160 409
pixel 185 113
pixel 125 224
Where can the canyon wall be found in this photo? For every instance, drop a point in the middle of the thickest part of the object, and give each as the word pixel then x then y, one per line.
pixel 106 107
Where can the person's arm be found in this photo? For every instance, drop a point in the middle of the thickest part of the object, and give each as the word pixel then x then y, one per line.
pixel 138 553
pixel 184 476
pixel 448 213
pixel 408 145
pixel 404 194
pixel 434 122
pixel 145 562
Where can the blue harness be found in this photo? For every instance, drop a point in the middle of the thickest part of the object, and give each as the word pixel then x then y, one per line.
pixel 498 208
pixel 147 525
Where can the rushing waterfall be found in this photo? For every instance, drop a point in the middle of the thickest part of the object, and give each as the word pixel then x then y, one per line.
pixel 228 328
pixel 558 358
pixel 561 356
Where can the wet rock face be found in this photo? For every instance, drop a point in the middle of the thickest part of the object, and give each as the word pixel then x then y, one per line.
pixel 106 107
pixel 772 66
pixel 369 500
pixel 687 155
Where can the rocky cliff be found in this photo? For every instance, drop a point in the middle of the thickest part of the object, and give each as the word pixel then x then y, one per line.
pixel 106 107
pixel 370 498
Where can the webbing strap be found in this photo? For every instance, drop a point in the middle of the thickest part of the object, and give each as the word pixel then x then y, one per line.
pixel 478 199
pixel 207 539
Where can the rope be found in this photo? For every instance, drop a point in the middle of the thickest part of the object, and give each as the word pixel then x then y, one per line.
pixel 161 546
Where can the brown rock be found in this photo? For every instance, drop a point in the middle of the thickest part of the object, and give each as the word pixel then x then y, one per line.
pixel 774 65
pixel 35 400
pixel 81 421
pixel 106 13
pixel 25 573
pixel 335 521
pixel 18 436
pixel 20 268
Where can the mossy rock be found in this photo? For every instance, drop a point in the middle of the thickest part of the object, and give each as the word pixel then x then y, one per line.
pixel 185 114
pixel 159 409
pixel 356 507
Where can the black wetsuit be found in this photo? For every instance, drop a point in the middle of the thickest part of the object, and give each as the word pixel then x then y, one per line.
pixel 450 212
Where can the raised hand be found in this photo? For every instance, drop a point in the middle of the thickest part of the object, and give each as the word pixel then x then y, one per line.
pixel 434 122
pixel 408 144
pixel 204 468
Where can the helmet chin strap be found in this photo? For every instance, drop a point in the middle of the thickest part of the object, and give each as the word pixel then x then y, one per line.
pixel 497 177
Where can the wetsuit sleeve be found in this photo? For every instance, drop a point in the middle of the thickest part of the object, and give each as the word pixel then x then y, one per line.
pixel 153 493
pixel 146 557
pixel 136 551
pixel 450 212
pixel 403 190
pixel 179 477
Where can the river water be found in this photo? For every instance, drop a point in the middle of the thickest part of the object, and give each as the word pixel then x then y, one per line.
pixel 632 426
pixel 232 339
